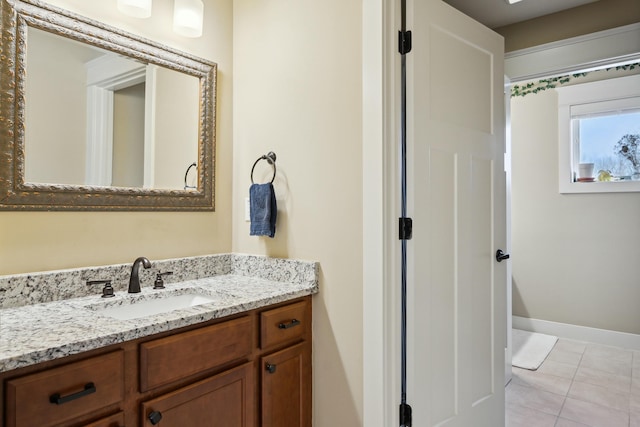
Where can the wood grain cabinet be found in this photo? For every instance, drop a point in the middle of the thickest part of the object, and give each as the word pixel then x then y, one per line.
pixel 115 420
pixel 59 395
pixel 286 387
pixel 286 374
pixel 165 360
pixel 251 369
pixel 224 400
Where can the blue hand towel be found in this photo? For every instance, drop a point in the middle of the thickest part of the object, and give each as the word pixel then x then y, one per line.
pixel 262 210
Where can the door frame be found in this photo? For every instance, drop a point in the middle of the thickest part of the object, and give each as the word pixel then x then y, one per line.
pixel 381 201
pixel 508 351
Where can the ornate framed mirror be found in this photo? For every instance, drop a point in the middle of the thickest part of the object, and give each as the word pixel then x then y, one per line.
pixel 95 118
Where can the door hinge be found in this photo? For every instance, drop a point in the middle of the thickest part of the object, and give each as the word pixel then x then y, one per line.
pixel 405 228
pixel 405 415
pixel 404 42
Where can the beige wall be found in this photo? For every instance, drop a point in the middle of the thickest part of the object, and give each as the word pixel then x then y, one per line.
pixel 128 137
pixel 35 241
pixel 592 17
pixel 575 256
pixel 176 128
pixel 297 91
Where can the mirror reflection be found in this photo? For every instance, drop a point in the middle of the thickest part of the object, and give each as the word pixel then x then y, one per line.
pixel 95 117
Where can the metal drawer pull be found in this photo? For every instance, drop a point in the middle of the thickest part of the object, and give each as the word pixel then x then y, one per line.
pixel 294 322
pixel 59 400
pixel 270 368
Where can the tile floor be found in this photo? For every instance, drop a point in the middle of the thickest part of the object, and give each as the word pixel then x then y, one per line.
pixel 578 385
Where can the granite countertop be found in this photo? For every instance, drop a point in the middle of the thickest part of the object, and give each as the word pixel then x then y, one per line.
pixel 36 333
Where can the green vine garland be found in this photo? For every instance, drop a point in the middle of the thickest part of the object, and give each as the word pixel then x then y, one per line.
pixel 552 82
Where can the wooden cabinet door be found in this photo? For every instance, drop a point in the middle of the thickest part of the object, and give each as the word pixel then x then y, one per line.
pixel 224 400
pixel 286 387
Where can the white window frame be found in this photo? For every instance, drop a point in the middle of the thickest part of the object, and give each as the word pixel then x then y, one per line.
pixel 600 95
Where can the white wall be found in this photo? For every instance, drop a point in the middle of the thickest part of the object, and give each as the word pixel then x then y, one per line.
pixel 298 92
pixel 575 256
pixel 55 115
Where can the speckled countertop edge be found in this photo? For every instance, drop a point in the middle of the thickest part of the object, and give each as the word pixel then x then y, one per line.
pixel 41 332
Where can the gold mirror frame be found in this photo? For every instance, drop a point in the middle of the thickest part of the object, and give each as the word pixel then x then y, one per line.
pixel 15 193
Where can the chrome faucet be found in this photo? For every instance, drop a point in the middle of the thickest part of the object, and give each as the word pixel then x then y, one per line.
pixel 134 280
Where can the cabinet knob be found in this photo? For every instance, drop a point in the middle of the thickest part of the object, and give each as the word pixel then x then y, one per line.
pixel 270 368
pixel 155 417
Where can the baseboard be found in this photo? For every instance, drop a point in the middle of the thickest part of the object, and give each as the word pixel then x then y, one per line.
pixel 579 333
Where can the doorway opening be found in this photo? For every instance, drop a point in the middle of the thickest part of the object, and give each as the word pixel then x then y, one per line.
pixel 546 222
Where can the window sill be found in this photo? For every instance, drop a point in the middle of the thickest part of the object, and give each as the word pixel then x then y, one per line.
pixel 600 187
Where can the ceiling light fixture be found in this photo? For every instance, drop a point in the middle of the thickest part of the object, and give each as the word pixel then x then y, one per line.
pixel 513 1
pixel 187 17
pixel 135 8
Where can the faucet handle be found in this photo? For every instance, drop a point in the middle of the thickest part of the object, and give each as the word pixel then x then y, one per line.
pixel 107 291
pixel 159 283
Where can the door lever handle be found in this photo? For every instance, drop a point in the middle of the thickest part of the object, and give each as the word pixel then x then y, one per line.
pixel 501 256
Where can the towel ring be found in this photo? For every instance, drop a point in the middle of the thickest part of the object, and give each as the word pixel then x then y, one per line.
pixel 270 157
pixel 186 174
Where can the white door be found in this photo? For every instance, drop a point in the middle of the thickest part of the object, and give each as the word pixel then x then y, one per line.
pixel 457 302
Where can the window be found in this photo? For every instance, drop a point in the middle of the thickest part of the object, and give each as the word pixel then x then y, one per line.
pixel 599 124
pixel 608 137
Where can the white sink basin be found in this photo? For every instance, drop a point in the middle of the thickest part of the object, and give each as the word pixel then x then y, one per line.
pixel 154 306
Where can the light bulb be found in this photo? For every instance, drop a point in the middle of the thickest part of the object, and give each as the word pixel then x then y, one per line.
pixel 135 8
pixel 187 17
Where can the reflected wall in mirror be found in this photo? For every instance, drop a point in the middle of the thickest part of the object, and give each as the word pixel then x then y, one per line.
pixel 93 118
pixel 124 123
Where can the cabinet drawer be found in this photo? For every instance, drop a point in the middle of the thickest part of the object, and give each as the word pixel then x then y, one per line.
pixel 61 394
pixel 169 359
pixel 283 324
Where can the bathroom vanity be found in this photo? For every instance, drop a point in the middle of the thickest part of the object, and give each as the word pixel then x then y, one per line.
pixel 75 353
pixel 242 358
